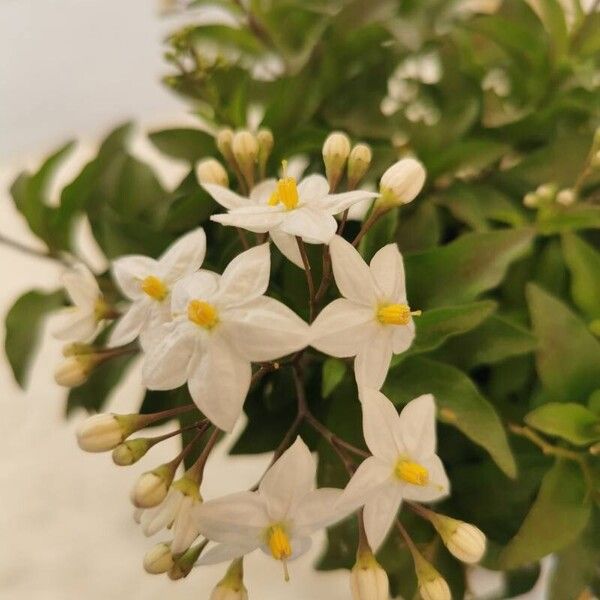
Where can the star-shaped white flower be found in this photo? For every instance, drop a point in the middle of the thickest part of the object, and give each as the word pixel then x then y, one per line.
pixel 222 323
pixel 279 518
pixel 287 211
pixel 176 511
pixel 404 463
pixel 372 321
pixel 148 284
pixel 79 323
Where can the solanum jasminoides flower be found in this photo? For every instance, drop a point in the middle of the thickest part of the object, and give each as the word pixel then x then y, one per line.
pixel 404 463
pixel 148 284
pixel 79 323
pixel 373 320
pixel 286 210
pixel 279 518
pixel 222 323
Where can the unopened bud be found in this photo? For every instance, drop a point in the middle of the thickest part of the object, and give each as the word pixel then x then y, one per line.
pixel 75 370
pixel 547 192
pixel 210 170
pixel 336 150
pixel 76 349
pixel 131 451
pixel 265 146
pixel 225 143
pixel 463 540
pixel 432 586
pixel 368 581
pixel 184 563
pixel 159 559
pixel 401 183
pixel 245 151
pixel 359 162
pixel 231 587
pixel 531 200
pixel 104 432
pixel 151 488
pixel 566 197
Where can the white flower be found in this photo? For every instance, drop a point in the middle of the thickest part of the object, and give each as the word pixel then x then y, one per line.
pixel 79 323
pixel 279 518
pixel 287 211
pixel 372 321
pixel 148 284
pixel 404 463
pixel 176 512
pixel 222 323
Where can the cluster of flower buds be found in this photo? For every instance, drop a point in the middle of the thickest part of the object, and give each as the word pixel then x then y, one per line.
pixel 547 194
pixel 338 153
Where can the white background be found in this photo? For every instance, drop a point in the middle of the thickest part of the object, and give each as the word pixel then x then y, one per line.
pixel 73 69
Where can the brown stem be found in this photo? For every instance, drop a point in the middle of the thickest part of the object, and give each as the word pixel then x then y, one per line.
pixel 197 470
pixel 309 278
pixel 201 425
pixel 149 419
pixel 375 215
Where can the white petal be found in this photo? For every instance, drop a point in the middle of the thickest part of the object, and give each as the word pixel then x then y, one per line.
pixel 246 277
pixel 129 272
pixel 381 425
pixel 288 246
pixel 317 510
pixel 403 337
pixel 224 553
pixel 183 257
pixel 438 486
pixel 166 366
pixel 373 360
pixel 287 482
pixel 342 328
pixel 75 325
pixel 128 327
pixel 387 268
pixel 358 211
pixel 312 225
pixel 258 219
pixel 313 188
pixel 161 516
pixel 352 275
pixel 81 285
pixel 379 513
pixel 185 530
pixel 224 196
pixel 369 476
pixel 151 334
pixel 337 203
pixel 417 427
pixel 219 382
pixel 264 329
pixel 202 285
pixel 262 192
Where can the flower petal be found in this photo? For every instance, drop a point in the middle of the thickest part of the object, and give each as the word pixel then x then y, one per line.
pixel 183 257
pixel 224 553
pixel 417 427
pixel 264 329
pixel 129 272
pixel 161 516
pixel 75 325
pixel 379 513
pixel 128 327
pixel 246 277
pixel 258 219
pixel 403 337
pixel 224 196
pixel 317 510
pixel 313 188
pixel 381 425
pixel 185 530
pixel 219 382
pixel 202 285
pixel 337 203
pixel 352 275
pixel 387 268
pixel 81 285
pixel 438 486
pixel 312 225
pixel 373 360
pixel 342 328
pixel 262 192
pixel 288 246
pixel 151 333
pixel 288 481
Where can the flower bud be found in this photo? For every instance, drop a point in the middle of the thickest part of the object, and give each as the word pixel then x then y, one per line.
pixel 336 150
pixel 465 541
pixel 210 170
pixel 183 564
pixel 231 587
pixel 368 581
pixel 566 197
pixel 103 432
pixel 225 143
pixel 434 588
pixel 547 192
pixel 401 183
pixel 359 162
pixel 76 349
pixel 531 200
pixel 74 371
pixel 159 559
pixel 265 146
pixel 130 452
pixel 151 488
pixel 245 151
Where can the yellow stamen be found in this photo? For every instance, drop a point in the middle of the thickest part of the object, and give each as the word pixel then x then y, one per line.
pixel 279 544
pixel 395 314
pixel 286 191
pixel 411 472
pixel 155 288
pixel 202 313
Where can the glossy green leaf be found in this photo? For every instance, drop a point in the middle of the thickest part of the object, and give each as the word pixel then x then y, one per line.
pixel 459 402
pixel 190 145
pixel 559 513
pixel 23 328
pixel 584 263
pixel 333 373
pixel 571 422
pixel 568 356
pixel 571 218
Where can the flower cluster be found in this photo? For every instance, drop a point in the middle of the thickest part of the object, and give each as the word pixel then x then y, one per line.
pixel 206 330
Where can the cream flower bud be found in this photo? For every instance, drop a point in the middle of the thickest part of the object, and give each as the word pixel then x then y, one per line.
pixel 74 371
pixel 245 151
pixel 231 587
pixel 368 581
pixel 225 143
pixel 102 432
pixel 531 200
pixel 434 588
pixel 223 593
pixel 466 542
pixel 359 162
pixel 159 559
pixel 336 150
pixel 547 192
pixel 151 488
pixel 210 170
pixel 401 183
pixel 566 197
pixel 130 452
pixel 185 562
pixel 265 141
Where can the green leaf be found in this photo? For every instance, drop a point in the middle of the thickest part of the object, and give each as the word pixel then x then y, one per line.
pixel 568 356
pixel 552 15
pixel 379 235
pixel 23 324
pixel 571 422
pixel 460 404
pixel 184 144
pixel 420 229
pixel 557 517
pixel 333 373
pixel 584 263
pixel 569 218
pixel 465 268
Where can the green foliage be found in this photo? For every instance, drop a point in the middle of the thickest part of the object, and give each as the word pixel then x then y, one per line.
pixel 571 422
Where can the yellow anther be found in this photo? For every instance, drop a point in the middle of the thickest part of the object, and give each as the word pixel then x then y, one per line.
pixel 155 288
pixel 395 314
pixel 411 472
pixel 202 313
pixel 279 542
pixel 286 191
